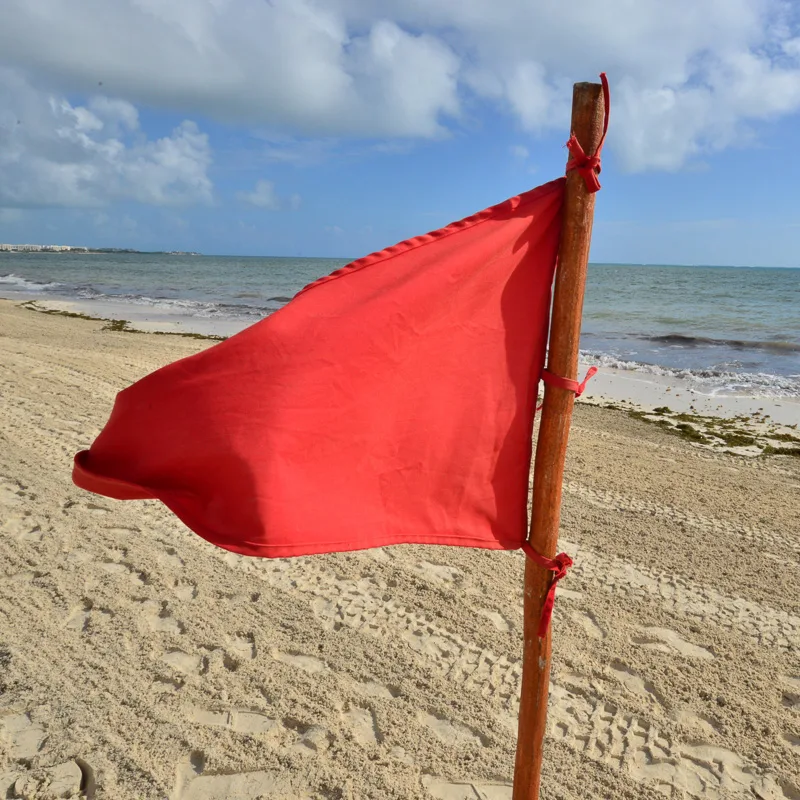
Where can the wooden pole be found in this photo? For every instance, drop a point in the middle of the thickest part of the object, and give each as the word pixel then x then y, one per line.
pixel 551 447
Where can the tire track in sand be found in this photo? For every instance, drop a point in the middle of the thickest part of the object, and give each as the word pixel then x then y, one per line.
pixel 585 722
pixel 614 501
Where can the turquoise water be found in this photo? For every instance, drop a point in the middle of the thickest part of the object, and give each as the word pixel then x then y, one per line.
pixel 726 328
pixel 729 329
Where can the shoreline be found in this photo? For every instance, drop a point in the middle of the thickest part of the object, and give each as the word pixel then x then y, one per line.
pixel 683 408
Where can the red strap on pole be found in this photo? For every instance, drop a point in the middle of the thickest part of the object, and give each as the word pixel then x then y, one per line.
pixel 589 166
pixel 559 566
pixel 565 383
pixel 562 562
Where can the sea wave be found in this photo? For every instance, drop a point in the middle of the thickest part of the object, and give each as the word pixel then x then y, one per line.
pixel 16 283
pixel 683 340
pixel 712 382
pixel 192 308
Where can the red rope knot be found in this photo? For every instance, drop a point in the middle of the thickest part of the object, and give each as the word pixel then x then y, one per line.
pixel 558 566
pixel 562 563
pixel 588 167
pixel 551 379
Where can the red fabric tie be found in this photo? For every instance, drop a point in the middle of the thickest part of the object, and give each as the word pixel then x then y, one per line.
pixel 565 383
pixel 559 566
pixel 589 166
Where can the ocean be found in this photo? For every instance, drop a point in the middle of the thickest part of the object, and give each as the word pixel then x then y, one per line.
pixel 729 331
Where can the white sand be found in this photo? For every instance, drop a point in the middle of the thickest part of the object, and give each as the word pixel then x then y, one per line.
pixel 643 390
pixel 139 662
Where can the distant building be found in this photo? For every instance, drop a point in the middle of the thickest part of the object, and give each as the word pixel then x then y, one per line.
pixel 38 248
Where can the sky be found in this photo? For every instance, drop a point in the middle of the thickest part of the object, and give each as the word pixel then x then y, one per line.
pixel 336 128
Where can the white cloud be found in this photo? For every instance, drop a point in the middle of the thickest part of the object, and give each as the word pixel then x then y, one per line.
pixel 263 196
pixel 55 154
pixel 687 76
pixel 519 151
pixel 291 63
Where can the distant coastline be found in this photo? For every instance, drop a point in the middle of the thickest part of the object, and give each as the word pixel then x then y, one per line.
pixel 60 248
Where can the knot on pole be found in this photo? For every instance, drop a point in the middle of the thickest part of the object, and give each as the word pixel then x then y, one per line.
pixel 552 379
pixel 589 166
pixel 558 566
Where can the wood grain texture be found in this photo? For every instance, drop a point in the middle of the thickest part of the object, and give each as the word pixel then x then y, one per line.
pixel 551 447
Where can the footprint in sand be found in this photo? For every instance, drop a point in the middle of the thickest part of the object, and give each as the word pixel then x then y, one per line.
pixel 170 556
pixel 362 721
pixel 85 614
pixel 79 557
pixel 373 689
pixel 447 790
pixel 239 720
pixel 697 723
pixel 306 663
pixel 438 572
pixel 114 566
pixel 194 783
pixel 63 780
pixel 163 684
pixel 159 617
pixel 450 732
pixel 244 645
pixel 12 493
pixel 791 694
pixel 665 640
pixel 187 663
pixel 588 624
pixel 497 619
pixel 23 527
pixel 309 737
pixel 185 590
pixel 23 736
pixel 634 682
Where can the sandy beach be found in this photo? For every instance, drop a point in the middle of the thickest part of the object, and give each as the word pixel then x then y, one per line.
pixel 138 662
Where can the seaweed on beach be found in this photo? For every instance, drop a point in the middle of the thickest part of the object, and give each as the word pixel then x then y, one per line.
pixel 717 432
pixel 736 438
pixel 689 432
pixel 117 325
pixel 785 437
pixel 31 305
pixel 769 450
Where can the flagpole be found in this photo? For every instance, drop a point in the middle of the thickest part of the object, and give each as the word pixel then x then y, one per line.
pixel 551 447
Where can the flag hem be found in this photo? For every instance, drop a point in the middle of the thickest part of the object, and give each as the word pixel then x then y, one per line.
pixel 117 489
pixel 388 253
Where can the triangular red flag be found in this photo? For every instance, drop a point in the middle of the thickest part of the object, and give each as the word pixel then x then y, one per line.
pixel 390 402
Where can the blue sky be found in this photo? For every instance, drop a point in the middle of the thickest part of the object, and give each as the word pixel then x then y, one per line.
pixel 335 129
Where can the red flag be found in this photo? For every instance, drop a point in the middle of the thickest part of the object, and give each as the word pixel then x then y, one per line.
pixel 390 402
